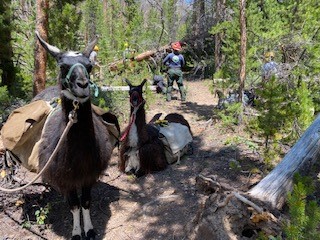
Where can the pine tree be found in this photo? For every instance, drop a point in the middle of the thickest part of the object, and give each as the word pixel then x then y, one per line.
pixel 6 51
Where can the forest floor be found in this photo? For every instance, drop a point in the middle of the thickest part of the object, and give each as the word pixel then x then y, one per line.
pixel 155 206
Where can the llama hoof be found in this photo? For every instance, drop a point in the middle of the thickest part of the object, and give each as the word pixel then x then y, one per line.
pixel 91 235
pixel 76 237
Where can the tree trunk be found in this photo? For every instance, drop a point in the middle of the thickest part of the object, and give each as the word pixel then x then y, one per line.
pixel 276 185
pixel 172 20
pixel 243 47
pixel 220 7
pixel 40 55
pixel 198 23
pixel 150 53
pixel 114 66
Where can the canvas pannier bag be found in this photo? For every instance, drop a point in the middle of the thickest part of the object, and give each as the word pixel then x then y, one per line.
pixel 23 130
pixel 111 123
pixel 21 134
pixel 176 138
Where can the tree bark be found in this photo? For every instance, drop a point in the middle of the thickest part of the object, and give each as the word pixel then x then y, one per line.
pixel 40 55
pixel 150 53
pixel 114 66
pixel 198 22
pixel 172 20
pixel 220 7
pixel 276 185
pixel 243 47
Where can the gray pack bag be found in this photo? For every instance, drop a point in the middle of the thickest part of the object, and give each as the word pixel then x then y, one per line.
pixel 176 138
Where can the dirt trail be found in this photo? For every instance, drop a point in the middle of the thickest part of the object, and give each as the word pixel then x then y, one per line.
pixel 157 206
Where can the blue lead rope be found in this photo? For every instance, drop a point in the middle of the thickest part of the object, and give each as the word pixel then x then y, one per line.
pixel 95 88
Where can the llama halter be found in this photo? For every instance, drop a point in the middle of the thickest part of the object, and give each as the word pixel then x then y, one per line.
pixel 66 83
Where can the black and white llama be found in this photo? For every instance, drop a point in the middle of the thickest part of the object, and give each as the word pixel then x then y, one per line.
pixel 86 150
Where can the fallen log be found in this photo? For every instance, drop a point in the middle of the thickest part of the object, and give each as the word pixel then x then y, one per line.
pixel 275 186
pixel 119 64
pixel 150 53
pixel 122 88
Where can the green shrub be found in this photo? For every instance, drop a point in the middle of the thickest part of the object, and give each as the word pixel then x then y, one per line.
pixel 4 98
pixel 304 214
pixel 230 115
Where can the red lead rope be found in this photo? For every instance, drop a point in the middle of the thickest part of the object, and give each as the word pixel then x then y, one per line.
pixel 125 134
pixel 133 118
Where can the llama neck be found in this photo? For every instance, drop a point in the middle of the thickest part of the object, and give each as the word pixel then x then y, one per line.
pixel 140 117
pixel 135 131
pixel 84 113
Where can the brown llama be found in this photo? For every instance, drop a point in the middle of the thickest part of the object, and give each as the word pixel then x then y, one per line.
pixel 141 150
pixel 87 148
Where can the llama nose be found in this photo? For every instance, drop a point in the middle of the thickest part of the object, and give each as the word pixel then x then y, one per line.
pixel 135 101
pixel 82 83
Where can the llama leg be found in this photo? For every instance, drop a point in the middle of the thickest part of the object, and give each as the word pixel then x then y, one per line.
pixel 74 205
pixel 85 203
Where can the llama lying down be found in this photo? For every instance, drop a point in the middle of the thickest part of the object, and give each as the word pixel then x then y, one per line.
pixel 144 147
pixel 87 146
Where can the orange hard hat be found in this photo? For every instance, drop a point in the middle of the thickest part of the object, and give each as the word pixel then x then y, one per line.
pixel 176 46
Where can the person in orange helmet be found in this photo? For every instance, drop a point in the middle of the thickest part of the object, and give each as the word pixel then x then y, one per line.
pixel 175 61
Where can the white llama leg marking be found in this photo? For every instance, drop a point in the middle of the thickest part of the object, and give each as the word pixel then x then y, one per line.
pixel 76 222
pixel 87 224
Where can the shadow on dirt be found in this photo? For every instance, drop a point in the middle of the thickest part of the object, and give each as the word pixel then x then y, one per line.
pixel 202 111
pixel 50 207
pixel 167 201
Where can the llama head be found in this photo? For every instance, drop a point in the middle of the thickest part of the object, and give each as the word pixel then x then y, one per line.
pixel 135 92
pixel 75 68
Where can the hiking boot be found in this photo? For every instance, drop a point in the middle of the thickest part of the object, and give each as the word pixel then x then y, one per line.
pixel 168 97
pixel 182 93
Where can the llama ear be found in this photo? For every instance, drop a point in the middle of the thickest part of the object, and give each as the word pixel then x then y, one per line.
pixel 143 82
pixel 54 51
pixel 128 82
pixel 90 46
